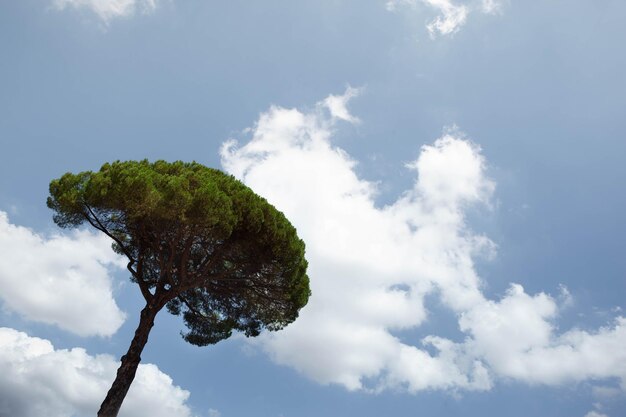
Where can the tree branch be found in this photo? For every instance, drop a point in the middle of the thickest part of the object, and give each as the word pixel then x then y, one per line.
pixel 104 230
pixel 185 258
pixel 192 309
pixel 131 261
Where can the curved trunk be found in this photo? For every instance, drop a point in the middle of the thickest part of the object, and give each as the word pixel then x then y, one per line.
pixel 126 372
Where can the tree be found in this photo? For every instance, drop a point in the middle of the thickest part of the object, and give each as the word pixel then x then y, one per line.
pixel 198 242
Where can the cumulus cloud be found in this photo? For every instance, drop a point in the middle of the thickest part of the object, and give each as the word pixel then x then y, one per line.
pixel 107 10
pixel 371 268
pixel 37 380
pixel 452 15
pixel 62 280
pixel 517 337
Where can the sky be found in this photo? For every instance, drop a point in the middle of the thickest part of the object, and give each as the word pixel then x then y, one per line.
pixel 455 168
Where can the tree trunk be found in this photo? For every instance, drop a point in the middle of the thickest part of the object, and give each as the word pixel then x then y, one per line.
pixel 126 372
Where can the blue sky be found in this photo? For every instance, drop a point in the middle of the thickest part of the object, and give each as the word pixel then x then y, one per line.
pixel 455 167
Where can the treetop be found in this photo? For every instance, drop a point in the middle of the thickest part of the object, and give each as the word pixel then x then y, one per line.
pixel 198 240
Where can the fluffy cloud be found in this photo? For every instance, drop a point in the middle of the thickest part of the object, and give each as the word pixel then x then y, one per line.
pixel 109 9
pixel 38 381
pixel 337 105
pixel 517 338
pixel 451 15
pixel 371 268
pixel 62 280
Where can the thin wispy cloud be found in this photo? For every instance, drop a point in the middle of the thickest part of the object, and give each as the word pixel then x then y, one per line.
pixel 451 14
pixel 491 6
pixel 107 10
pixel 595 414
pixel 450 20
pixel 371 268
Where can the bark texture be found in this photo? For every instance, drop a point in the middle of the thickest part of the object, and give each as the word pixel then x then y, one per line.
pixel 130 361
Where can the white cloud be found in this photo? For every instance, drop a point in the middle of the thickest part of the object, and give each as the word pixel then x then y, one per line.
pixel 452 14
pixel 37 380
pixel 61 280
pixel 451 19
pixel 337 105
pixel 604 393
pixel 517 338
pixel 595 414
pixel 491 6
pixel 109 9
pixel 214 413
pixel 393 5
pixel 371 268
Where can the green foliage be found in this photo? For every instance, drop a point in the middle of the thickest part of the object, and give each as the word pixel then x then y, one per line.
pixel 198 241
